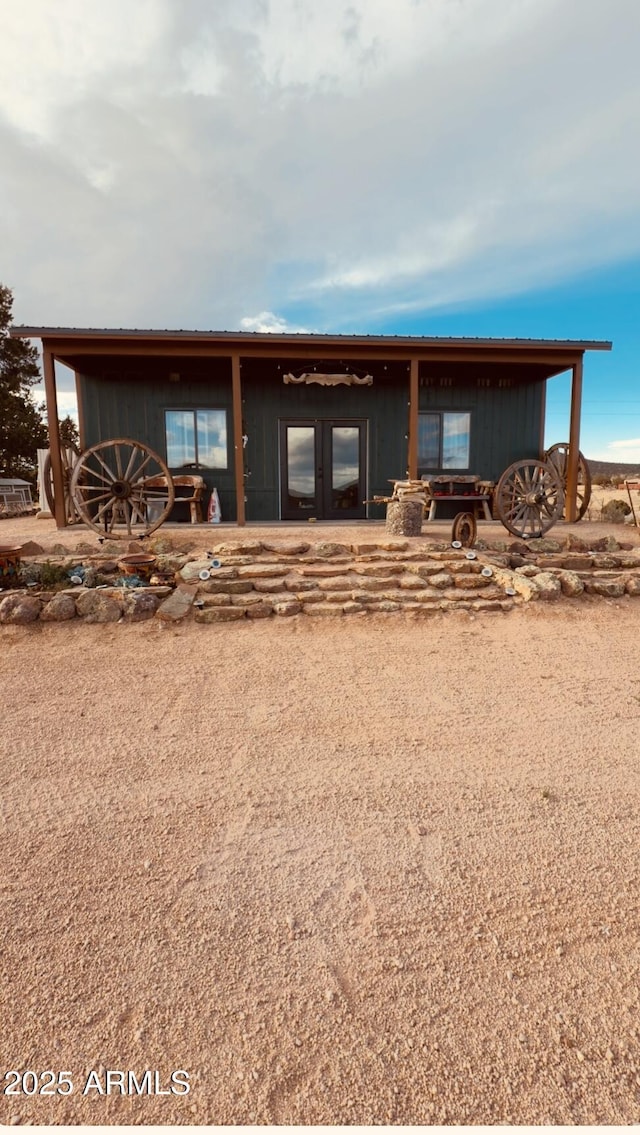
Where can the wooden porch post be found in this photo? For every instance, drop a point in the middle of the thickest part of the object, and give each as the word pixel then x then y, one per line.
pixel 571 505
pixel 414 396
pixel 60 516
pixel 237 439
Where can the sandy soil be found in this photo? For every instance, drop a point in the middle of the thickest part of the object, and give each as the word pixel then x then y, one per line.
pixel 339 872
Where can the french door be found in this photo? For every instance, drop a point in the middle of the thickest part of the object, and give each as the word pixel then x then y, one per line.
pixel 323 469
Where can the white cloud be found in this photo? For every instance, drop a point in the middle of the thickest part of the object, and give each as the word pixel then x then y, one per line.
pixel 180 163
pixel 266 321
pixel 627 452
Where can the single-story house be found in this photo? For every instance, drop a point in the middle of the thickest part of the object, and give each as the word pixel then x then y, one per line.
pixel 288 426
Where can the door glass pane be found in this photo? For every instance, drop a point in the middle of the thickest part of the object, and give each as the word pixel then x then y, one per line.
pixel 455 441
pixel 429 441
pixel 345 467
pixel 301 467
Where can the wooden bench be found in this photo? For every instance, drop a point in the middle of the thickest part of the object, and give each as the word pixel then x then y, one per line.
pixel 194 500
pixel 469 489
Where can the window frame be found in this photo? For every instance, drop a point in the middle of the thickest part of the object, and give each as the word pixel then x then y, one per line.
pixel 440 467
pixel 195 410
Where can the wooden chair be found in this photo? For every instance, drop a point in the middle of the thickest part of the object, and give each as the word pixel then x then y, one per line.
pixel 194 500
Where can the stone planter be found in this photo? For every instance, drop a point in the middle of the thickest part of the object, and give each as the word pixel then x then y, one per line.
pixel 9 565
pixel 141 564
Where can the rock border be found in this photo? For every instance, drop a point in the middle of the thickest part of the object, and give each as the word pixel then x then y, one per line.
pixel 248 579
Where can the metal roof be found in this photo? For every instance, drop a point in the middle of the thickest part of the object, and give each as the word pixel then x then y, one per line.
pixel 289 338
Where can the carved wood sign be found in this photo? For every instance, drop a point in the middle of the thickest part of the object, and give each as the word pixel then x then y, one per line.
pixel 329 379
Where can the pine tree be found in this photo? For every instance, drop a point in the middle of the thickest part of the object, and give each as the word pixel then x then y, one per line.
pixel 22 430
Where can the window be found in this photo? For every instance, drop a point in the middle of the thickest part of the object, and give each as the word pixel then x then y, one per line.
pixel 196 439
pixel 443 440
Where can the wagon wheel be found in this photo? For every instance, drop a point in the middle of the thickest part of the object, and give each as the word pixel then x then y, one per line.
pixel 68 455
pixel 559 455
pixel 465 529
pixel 529 498
pixel 110 488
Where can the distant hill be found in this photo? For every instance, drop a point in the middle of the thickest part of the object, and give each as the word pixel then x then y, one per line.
pixel 611 468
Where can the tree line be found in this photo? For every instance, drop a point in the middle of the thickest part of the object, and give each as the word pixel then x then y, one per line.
pixel 22 427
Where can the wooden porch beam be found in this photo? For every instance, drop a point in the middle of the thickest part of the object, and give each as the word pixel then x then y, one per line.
pixel 238 454
pixel 414 397
pixel 48 367
pixel 571 505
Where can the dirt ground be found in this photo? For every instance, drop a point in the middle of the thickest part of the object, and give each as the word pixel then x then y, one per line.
pixel 379 871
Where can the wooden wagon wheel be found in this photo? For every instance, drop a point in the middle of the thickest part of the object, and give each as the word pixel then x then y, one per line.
pixel 529 498
pixel 111 490
pixel 465 529
pixel 558 454
pixel 68 455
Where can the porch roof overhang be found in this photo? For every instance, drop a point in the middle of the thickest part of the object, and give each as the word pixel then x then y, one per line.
pixel 70 345
pixel 534 358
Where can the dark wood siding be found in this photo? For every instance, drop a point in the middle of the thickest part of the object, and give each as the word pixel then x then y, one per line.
pixel 132 402
pixel 506 420
pixel 268 400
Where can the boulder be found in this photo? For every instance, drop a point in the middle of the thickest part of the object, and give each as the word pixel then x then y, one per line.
pixel 570 583
pixel 19 609
pixel 178 604
pixel 96 607
pixel 139 605
pixel 548 585
pixel 59 609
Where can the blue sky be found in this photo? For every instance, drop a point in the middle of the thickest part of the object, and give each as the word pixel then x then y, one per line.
pixel 439 167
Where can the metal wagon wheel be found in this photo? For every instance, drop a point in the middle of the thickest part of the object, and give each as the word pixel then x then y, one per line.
pixel 111 490
pixel 465 529
pixel 529 498
pixel 558 454
pixel 68 455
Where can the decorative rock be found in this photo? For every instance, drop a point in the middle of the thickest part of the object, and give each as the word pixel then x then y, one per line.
pixel 514 579
pixel 411 582
pixel 259 611
pixel 215 586
pixel 571 583
pixel 371 583
pixel 543 544
pixel 388 605
pixel 19 608
pixel 379 568
pixel 352 608
pixel 59 609
pixel 325 550
pixel 296 583
pixel 139 605
pixel 632 586
pixel 575 544
pixel 468 582
pixel 612 588
pixel 178 604
pixel 248 600
pixel 262 571
pixel 404 518
pixel 269 586
pixel 218 614
pixel 160 545
pixel 337 583
pixel 284 549
pixel 321 608
pixel 577 563
pixel 96 607
pixel 216 600
pixel 548 585
pixel 442 579
pixel 287 607
pixel 191 571
pixel 241 548
pixel 384 545
pixel 30 548
pixel 518 548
